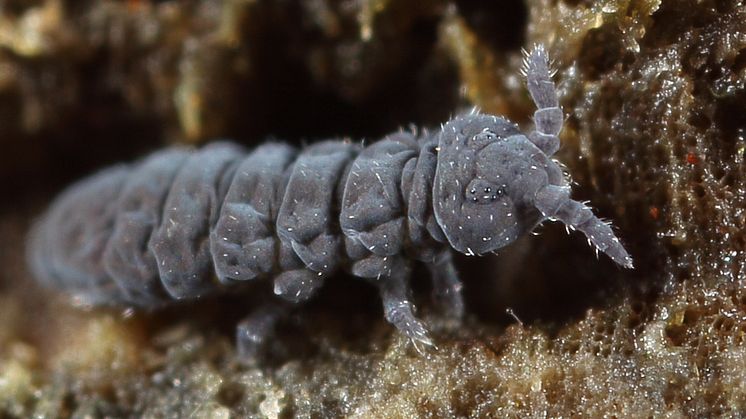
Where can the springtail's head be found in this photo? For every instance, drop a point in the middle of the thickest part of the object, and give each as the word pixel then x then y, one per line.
pixel 478 191
pixel 492 185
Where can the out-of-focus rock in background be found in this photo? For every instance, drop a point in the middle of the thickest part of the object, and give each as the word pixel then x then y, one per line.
pixel 654 92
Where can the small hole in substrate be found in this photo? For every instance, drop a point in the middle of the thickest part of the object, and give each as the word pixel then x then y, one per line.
pixel 684 274
pixel 691 316
pixel 628 60
pixel 634 321
pixel 718 323
pixel 731 119
pixel 673 392
pixel 676 334
pixel 601 50
pixel 68 405
pixel 230 394
pixel 724 324
pixel 718 172
pixel 678 150
pixel 572 347
pixel 699 191
pixel 728 180
pixel 740 62
pixel 660 155
pixel 699 120
pixel 725 6
pixel 739 242
pixel 637 307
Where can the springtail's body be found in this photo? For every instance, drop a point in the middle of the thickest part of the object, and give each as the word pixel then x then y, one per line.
pixel 182 224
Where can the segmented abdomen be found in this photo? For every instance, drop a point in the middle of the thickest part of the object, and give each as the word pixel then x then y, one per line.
pixel 182 224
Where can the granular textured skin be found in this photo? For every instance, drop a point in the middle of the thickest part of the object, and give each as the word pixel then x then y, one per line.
pixel 653 93
pixel 183 225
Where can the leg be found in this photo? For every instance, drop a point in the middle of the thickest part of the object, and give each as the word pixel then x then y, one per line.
pixel 254 332
pixel 548 117
pixel 554 203
pixel 398 309
pixel 446 285
pixel 297 285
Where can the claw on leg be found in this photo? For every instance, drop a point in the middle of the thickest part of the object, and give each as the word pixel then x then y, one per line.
pixel 401 314
pixel 399 310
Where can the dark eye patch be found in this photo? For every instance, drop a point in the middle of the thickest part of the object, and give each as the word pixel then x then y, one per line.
pixel 484 138
pixel 480 191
